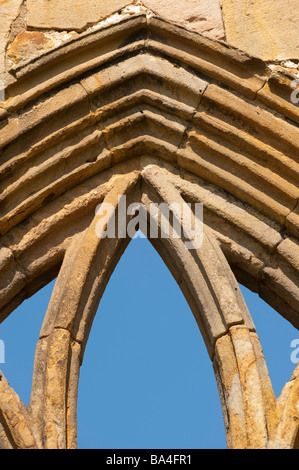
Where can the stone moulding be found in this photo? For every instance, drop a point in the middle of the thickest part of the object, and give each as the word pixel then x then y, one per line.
pixel 147 109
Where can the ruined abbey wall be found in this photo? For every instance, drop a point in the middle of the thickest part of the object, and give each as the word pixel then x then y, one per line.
pixel 189 101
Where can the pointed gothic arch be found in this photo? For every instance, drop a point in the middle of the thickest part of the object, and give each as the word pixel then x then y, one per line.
pixel 218 309
pixel 147 106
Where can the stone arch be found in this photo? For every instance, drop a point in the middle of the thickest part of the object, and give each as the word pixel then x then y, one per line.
pixel 147 104
pixel 216 302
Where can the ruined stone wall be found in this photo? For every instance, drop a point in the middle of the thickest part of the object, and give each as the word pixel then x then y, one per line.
pixel 260 28
pixel 160 101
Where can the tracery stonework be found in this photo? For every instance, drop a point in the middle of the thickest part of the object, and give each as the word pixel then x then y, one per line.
pixel 158 104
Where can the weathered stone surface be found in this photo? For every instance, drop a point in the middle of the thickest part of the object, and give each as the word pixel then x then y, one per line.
pixel 230 391
pixel 285 282
pixel 241 373
pixel 14 417
pixel 12 279
pixel 278 92
pixel 289 249
pixel 139 106
pixel 252 379
pixel 69 15
pixel 292 221
pixel 202 16
pixel 29 44
pixel 287 433
pixel 9 10
pixel 55 409
pixel 184 86
pixel 263 29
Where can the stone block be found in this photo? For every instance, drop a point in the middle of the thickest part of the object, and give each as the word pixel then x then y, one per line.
pixel 202 16
pixel 263 29
pixel 68 14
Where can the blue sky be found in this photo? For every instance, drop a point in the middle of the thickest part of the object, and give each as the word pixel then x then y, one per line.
pixel 146 381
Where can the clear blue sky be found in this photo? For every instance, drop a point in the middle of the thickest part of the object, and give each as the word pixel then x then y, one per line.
pixel 146 381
